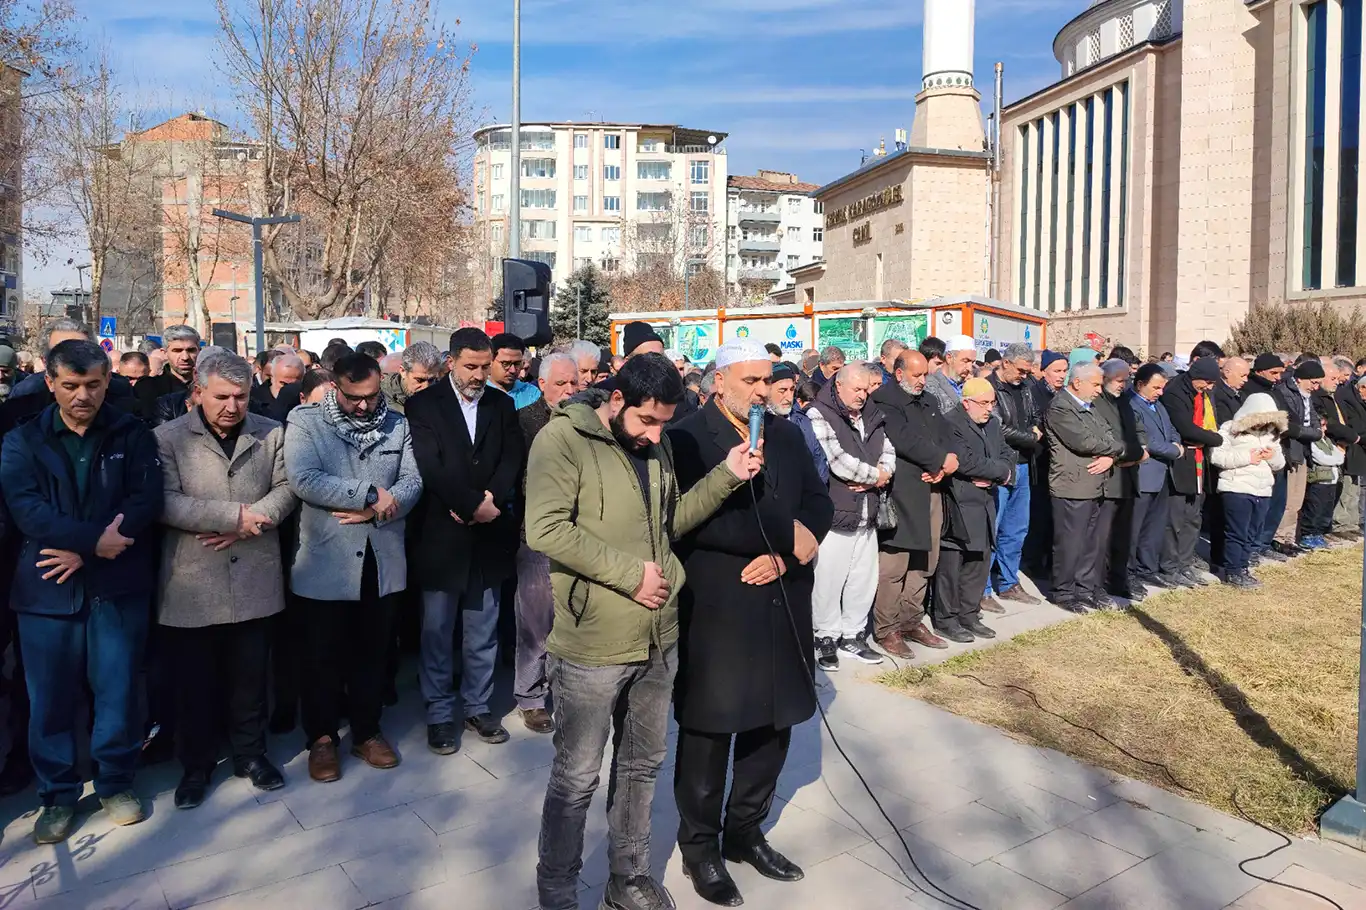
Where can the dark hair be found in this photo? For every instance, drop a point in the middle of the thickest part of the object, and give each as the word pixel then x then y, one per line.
pixel 79 356
pixel 993 356
pixel 331 354
pixel 312 379
pixel 263 358
pixel 806 391
pixel 1306 357
pixel 773 349
pixel 372 349
pixel 1165 354
pixel 693 380
pixel 1146 373
pixel 506 341
pixel 313 359
pixel 1120 352
pixel 355 367
pixel 932 347
pixel 332 341
pixel 1361 362
pixel 138 356
pixel 649 377
pixel 1206 349
pixel 469 339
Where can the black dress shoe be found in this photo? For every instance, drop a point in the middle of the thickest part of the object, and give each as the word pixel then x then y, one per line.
pixel 767 861
pixel 956 633
pixel 486 728
pixel 189 793
pixel 262 774
pixel 1072 606
pixel 976 628
pixel 444 738
pixel 713 883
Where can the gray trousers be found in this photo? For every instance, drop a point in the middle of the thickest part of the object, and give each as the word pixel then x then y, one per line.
pixel 534 608
pixel 1347 515
pixel 477 611
pixel 631 703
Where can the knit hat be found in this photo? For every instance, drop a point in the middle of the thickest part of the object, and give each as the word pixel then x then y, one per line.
pixel 1310 369
pixel 976 388
pixel 1266 362
pixel 783 370
pixel 1081 355
pixel 8 357
pixel 1114 367
pixel 1048 358
pixel 993 355
pixel 634 334
pixel 1205 368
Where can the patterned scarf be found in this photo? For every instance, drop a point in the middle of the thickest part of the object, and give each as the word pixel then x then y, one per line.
pixel 361 431
pixel 1204 418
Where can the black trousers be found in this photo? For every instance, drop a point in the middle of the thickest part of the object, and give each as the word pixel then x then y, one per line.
pixel 221 677
pixel 1214 525
pixel 1117 523
pixel 1149 532
pixel 17 689
pixel 1316 516
pixel 1078 549
pixel 287 656
pixel 700 787
pixel 1184 514
pixel 959 582
pixel 346 655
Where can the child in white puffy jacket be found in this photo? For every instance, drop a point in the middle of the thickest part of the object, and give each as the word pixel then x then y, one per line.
pixel 1248 460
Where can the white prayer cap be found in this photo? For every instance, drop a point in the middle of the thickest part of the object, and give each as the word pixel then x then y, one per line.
pixel 673 354
pixel 959 343
pixel 733 352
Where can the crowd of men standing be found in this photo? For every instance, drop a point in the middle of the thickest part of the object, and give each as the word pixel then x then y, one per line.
pixel 207 550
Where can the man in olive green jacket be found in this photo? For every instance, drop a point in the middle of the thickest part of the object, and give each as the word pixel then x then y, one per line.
pixel 604 506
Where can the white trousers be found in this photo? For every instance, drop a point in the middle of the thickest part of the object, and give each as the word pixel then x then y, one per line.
pixel 846 581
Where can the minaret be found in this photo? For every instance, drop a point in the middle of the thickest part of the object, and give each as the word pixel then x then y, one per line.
pixel 948 112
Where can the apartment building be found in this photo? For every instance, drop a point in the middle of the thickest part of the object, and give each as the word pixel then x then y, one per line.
pixel 619 195
pixel 773 225
pixel 11 207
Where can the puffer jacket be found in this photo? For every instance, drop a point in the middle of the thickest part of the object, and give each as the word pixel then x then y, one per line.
pixel 586 512
pixel 1259 424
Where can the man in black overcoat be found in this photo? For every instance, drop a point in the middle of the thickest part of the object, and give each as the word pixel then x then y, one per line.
pixel 745 671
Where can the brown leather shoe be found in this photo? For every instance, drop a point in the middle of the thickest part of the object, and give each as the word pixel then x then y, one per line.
pixel 923 636
pixel 376 752
pixel 538 720
pixel 990 605
pixel 893 646
pixel 324 764
pixel 1019 595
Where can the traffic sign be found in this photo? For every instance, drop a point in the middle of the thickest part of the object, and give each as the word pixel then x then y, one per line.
pixel 109 325
pixel 107 344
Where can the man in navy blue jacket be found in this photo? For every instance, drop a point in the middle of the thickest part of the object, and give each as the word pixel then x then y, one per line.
pixel 82 486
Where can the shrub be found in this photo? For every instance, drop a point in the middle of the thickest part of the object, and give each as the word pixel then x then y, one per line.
pixel 1321 328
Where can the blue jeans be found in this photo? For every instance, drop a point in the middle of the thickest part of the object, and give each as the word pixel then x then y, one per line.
pixel 477 610
pixel 102 644
pixel 1275 511
pixel 1012 525
pixel 1244 521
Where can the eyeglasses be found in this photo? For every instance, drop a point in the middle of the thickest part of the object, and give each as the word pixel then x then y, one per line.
pixel 982 404
pixel 358 399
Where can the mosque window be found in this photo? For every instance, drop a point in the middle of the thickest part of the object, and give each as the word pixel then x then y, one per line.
pixel 1349 148
pixel 1316 21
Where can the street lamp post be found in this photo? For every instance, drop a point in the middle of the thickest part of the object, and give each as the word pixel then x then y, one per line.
pixel 515 203
pixel 1345 820
pixel 258 264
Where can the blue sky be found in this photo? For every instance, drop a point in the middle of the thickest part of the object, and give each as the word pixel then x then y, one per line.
pixel 799 85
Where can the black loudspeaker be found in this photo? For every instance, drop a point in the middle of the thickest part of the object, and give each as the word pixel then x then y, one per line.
pixel 526 300
pixel 224 335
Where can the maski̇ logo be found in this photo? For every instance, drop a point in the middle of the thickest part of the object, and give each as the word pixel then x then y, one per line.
pixel 791 331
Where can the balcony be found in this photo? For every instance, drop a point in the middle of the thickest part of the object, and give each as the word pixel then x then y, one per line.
pixel 773 274
pixel 759 245
pixel 760 216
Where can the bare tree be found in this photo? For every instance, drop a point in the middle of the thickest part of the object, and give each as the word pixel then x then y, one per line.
pixel 363 106
pixel 659 248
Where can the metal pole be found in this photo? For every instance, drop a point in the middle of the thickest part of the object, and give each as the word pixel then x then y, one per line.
pixel 685 286
pixel 578 303
pixel 259 265
pixel 515 203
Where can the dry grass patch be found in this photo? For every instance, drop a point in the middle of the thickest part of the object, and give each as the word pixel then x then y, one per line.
pixel 1248 692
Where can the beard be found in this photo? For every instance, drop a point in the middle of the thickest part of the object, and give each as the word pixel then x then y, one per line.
pixel 914 393
pixel 780 410
pixel 635 444
pixel 469 389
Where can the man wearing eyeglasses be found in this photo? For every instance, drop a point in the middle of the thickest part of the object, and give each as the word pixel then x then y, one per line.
pixel 509 355
pixel 350 461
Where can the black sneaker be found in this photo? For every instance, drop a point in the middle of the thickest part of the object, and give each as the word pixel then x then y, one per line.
pixel 1273 555
pixel 1242 579
pixel 1171 582
pixel 486 728
pixel 443 738
pixel 827 655
pixel 859 650
pixel 1101 602
pixel 1288 550
pixel 956 633
pixel 1194 579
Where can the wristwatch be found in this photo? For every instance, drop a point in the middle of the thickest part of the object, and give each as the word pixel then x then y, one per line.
pixel 371 496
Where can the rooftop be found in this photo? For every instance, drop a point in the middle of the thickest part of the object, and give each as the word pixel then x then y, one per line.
pixel 682 135
pixel 741 182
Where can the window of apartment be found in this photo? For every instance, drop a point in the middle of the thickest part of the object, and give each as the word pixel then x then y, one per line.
pixel 654 170
pixel 793 261
pixel 580 203
pixel 479 200
pixel 611 141
pixel 699 172
pixel 611 203
pixel 611 235
pixel 794 233
pixel 538 230
pixel 580 172
pixel 610 265
pixel 731 232
pixel 652 202
pixel 611 172
pixel 699 202
pixel 580 140
pixel 539 256
pixel 583 233
pixel 698 237
pixel 731 261
pixel 538 199
pixel 497 172
pixel 582 262
pixel 1315 109
pixel 538 142
pixel 538 167
pixel 794 205
pixel 817 234
pixel 496 232
pixel 819 207
pixel 650 145
pixel 499 203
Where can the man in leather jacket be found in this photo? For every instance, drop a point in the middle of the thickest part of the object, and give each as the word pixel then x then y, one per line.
pixel 1022 426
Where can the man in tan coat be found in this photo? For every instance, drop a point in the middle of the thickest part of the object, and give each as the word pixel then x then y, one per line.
pixel 221 575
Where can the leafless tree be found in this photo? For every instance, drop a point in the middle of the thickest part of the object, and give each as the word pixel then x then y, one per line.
pixel 661 246
pixel 364 110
